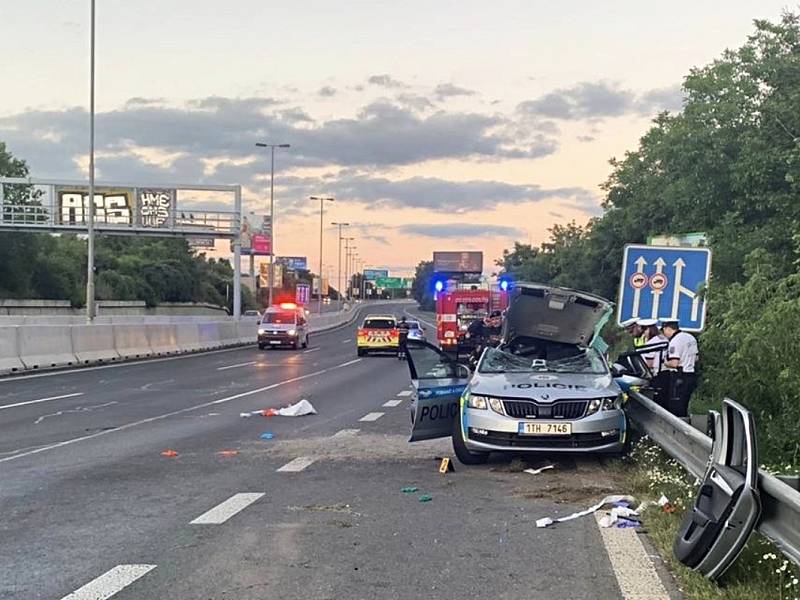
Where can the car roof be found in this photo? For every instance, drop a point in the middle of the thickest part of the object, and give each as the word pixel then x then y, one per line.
pixel 380 317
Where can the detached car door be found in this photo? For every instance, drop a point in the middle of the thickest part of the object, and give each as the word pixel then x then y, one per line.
pixel 727 506
pixel 438 383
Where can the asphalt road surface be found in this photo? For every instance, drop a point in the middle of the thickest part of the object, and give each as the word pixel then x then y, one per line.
pixel 90 508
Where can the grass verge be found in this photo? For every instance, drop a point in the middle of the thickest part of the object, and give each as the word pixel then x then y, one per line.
pixel 760 573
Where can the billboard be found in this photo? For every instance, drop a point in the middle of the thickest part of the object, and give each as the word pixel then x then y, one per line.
pixel 256 237
pixel 293 263
pixel 458 262
pixel 373 274
pixel 151 208
pixel 302 293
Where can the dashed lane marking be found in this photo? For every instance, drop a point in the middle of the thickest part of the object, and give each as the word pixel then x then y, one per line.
pixel 222 512
pixel 298 464
pixel 404 393
pixel 373 416
pixel 346 341
pixel 345 433
pixel 41 400
pixel 311 350
pixel 247 364
pixel 636 575
pixel 392 403
pixel 178 412
pixel 110 583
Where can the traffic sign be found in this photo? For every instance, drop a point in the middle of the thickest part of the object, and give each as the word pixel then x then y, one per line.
pixel 660 282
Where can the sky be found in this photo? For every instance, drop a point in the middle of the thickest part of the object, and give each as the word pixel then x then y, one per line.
pixel 446 125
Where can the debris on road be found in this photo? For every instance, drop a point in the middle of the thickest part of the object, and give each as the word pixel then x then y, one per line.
pixel 592 509
pixel 267 435
pixel 409 490
pixel 446 466
pixel 228 453
pixel 169 453
pixel 665 505
pixel 537 471
pixel 298 409
pixel 425 498
pixel 618 515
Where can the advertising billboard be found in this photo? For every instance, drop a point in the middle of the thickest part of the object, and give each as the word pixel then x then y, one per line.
pixel 293 263
pixel 458 262
pixel 256 237
pixel 302 293
pixel 152 208
pixel 373 274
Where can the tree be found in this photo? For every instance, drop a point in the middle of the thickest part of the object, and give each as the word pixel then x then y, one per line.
pixel 422 287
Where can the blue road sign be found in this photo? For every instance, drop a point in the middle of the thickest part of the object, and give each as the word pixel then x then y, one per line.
pixel 660 282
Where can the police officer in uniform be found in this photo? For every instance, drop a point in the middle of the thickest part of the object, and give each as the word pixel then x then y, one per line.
pixel 402 348
pixel 656 359
pixel 635 331
pixel 680 360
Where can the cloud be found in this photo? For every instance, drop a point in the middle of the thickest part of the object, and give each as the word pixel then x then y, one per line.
pixel 327 91
pixel 448 90
pixel 598 100
pixel 585 138
pixel 414 102
pixel 460 230
pixel 386 81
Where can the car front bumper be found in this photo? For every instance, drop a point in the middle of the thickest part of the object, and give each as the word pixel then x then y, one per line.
pixel 601 432
pixel 277 339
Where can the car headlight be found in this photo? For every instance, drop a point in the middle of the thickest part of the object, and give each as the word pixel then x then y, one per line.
pixel 292 331
pixel 497 405
pixel 478 402
pixel 261 331
pixel 601 404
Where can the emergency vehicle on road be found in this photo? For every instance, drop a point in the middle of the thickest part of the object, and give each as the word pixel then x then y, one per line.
pixel 378 333
pixel 458 307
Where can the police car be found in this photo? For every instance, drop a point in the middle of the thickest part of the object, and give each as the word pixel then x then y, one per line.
pixel 544 388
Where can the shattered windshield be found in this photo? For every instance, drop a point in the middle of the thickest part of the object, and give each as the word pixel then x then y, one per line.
pixel 571 359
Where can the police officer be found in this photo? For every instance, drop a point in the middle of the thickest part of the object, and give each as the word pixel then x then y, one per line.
pixel 680 360
pixel 656 359
pixel 635 331
pixel 402 346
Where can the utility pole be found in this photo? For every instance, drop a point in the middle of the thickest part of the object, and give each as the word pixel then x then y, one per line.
pixel 339 284
pixel 271 216
pixel 90 309
pixel 322 200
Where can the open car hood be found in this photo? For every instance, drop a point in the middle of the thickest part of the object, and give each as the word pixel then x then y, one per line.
pixel 557 314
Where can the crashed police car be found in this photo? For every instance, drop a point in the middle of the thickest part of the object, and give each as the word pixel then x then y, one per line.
pixel 544 388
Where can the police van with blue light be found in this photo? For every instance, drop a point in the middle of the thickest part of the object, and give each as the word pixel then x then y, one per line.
pixel 545 387
pixel 285 324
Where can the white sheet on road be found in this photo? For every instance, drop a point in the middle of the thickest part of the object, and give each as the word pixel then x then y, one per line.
pixel 298 409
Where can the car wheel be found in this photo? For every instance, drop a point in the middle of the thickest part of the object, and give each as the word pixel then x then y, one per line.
pixel 261 346
pixel 361 352
pixel 464 454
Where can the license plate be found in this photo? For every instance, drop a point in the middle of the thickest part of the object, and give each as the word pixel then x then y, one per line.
pixel 274 342
pixel 545 428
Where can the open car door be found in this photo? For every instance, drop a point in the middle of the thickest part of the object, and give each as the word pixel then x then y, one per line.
pixel 438 383
pixel 727 506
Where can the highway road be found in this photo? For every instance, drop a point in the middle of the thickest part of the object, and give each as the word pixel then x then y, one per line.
pixel 90 508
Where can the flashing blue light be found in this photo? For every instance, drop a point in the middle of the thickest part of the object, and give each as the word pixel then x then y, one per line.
pixel 438 286
pixel 504 285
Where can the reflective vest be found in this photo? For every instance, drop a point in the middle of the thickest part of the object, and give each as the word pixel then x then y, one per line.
pixel 640 341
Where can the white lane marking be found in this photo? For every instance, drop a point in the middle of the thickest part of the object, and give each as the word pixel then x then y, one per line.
pixel 77 409
pixel 298 464
pixel 41 400
pixel 372 416
pixel 110 583
pixel 392 403
pixel 346 341
pixel 311 350
pixel 177 412
pixel 247 364
pixel 404 393
pixel 636 576
pixel 345 433
pixel 222 512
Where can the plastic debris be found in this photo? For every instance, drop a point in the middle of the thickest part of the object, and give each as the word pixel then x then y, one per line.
pixel 537 471
pixel 268 412
pixel 544 522
pixel 446 466
pixel 425 498
pixel 665 505
pixel 267 435
pixel 169 453
pixel 409 490
pixel 628 524
pixel 228 453
pixel 618 514
pixel 298 409
pixel 608 500
pixel 246 414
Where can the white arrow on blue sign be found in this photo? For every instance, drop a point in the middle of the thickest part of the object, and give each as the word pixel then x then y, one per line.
pixel 660 282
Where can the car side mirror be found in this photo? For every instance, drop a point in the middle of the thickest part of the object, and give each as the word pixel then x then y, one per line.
pixel 618 370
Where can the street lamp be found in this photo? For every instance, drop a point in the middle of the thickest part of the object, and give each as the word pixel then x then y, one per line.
pixel 271 213
pixel 340 225
pixel 322 200
pixel 90 217
pixel 347 241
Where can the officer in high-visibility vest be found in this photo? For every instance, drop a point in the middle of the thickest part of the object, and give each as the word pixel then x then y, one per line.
pixel 681 361
pixel 635 331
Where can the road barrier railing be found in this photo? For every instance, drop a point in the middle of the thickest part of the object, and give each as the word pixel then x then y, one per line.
pixel 780 503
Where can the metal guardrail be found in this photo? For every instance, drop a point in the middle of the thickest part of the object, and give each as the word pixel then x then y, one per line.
pixel 780 504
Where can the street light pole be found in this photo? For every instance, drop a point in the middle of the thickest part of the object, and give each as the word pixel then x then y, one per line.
pixel 90 219
pixel 271 278
pixel 347 249
pixel 322 200
pixel 339 284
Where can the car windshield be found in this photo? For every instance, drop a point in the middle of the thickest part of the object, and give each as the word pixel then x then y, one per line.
pixel 570 359
pixel 282 317
pixel 412 324
pixel 378 324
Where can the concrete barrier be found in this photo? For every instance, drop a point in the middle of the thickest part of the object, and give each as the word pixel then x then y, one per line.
pixel 228 333
pixel 209 335
pixel 162 337
pixel 93 343
pixel 130 341
pixel 45 346
pixel 247 331
pixel 9 350
pixel 188 337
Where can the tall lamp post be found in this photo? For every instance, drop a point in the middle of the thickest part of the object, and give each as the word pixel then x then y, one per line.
pixel 347 248
pixel 322 201
pixel 90 217
pixel 271 213
pixel 339 284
